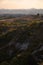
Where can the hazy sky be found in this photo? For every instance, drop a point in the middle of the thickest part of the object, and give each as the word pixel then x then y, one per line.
pixel 21 4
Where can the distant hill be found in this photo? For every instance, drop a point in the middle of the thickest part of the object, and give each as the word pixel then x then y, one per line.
pixel 21 11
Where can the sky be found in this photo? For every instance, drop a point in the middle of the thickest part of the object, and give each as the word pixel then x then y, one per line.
pixel 21 4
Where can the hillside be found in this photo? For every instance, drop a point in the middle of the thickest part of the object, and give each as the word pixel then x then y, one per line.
pixel 23 46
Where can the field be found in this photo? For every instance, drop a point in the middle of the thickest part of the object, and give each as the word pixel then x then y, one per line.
pixel 21 40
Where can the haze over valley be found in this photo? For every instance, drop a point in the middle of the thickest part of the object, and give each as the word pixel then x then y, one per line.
pixel 21 11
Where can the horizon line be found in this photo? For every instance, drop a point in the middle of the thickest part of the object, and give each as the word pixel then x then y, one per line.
pixel 20 9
